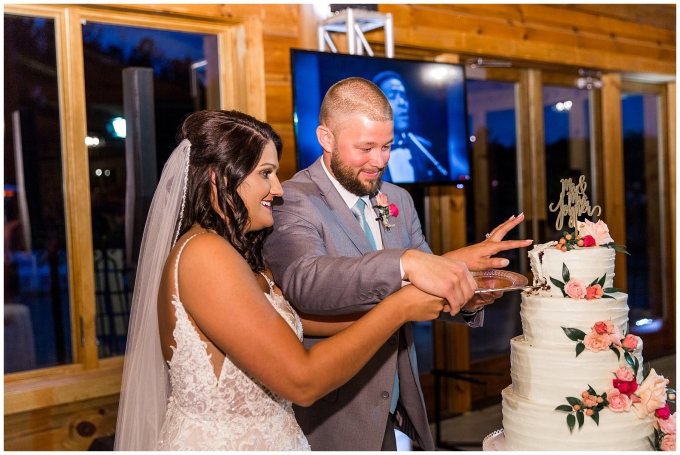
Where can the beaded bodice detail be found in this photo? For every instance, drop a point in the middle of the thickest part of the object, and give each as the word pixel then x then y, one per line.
pixel 233 411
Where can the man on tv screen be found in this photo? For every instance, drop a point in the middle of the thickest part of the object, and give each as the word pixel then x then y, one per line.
pixel 411 158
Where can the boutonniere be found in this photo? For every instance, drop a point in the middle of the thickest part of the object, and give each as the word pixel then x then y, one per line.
pixel 385 209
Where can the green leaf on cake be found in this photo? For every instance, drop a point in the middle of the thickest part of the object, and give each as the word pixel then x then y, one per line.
pixel 651 443
pixel 596 416
pixel 633 362
pixel 591 390
pixel 601 281
pixel 580 347
pixel 617 247
pixel 574 334
pixel 564 407
pixel 571 421
pixel 579 416
pixel 610 290
pixel 565 273
pixel 575 401
pixel 605 296
pixel 616 350
pixel 559 284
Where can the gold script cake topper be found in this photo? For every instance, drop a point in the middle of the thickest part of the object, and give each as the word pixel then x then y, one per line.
pixel 576 203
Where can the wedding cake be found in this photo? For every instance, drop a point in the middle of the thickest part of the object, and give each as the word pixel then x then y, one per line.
pixel 577 375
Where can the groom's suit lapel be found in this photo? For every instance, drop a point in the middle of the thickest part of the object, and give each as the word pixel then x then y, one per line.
pixel 341 213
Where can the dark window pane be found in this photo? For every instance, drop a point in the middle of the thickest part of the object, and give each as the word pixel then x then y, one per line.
pixel 566 114
pixel 641 184
pixel 37 305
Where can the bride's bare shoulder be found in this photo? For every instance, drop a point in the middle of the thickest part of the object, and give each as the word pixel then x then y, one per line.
pixel 207 252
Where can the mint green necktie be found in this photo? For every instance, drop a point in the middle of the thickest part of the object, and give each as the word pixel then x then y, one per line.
pixel 358 211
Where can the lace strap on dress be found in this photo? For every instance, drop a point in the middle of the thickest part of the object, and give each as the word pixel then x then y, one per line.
pixel 269 282
pixel 177 262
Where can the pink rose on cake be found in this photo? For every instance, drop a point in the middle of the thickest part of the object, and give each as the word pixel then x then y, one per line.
pixel 668 443
pixel 651 393
pixel 667 426
pixel 624 374
pixel 618 402
pixel 599 231
pixel 576 289
pixel 609 329
pixel 630 342
pixel 597 342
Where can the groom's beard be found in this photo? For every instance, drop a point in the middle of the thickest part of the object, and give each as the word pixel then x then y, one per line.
pixel 349 177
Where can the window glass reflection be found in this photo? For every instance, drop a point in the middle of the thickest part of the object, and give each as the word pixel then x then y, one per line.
pixel 493 145
pixel 37 306
pixel 184 79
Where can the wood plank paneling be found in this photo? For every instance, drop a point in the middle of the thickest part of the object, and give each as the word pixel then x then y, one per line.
pixel 536 33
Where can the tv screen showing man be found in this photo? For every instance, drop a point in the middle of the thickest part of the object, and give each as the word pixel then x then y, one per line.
pixel 428 103
pixel 411 158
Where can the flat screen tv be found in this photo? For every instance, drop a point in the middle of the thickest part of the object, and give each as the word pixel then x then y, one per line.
pixel 428 103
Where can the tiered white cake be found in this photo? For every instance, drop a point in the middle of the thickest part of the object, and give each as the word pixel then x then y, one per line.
pixel 546 368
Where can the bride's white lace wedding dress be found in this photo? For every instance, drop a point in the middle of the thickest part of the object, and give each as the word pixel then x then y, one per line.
pixel 234 412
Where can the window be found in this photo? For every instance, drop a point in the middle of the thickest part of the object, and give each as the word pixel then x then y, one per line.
pixel 176 74
pixel 54 285
pixel 647 263
pixel 492 117
pixel 37 301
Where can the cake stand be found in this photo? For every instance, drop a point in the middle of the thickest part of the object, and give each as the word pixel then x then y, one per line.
pixel 495 442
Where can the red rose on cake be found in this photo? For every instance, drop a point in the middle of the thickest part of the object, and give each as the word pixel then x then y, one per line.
pixel 594 292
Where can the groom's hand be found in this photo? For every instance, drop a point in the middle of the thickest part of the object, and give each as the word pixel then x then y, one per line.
pixel 439 276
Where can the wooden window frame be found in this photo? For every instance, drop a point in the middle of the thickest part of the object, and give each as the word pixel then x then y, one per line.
pixel 242 87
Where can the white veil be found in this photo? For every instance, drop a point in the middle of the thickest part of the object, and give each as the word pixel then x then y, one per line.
pixel 145 387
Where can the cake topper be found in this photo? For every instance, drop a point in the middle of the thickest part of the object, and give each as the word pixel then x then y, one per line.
pixel 576 203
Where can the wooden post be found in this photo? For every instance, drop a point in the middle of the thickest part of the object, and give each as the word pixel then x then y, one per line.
pixel 613 201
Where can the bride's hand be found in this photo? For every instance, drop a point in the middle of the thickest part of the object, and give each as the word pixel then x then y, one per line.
pixel 479 256
pixel 418 305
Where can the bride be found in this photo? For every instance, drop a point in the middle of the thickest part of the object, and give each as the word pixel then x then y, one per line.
pixel 214 355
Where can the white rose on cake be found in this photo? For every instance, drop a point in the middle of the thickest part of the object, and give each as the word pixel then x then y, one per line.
pixel 598 231
pixel 651 395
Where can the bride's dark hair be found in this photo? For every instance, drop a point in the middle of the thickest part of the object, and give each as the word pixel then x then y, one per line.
pixel 230 144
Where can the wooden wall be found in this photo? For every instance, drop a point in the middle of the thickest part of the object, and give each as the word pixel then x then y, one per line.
pixel 611 38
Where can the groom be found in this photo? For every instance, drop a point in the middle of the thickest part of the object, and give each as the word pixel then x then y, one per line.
pixel 331 256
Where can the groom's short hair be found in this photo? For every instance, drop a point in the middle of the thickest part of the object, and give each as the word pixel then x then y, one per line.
pixel 354 96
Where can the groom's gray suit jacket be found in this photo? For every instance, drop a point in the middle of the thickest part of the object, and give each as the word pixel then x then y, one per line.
pixel 322 261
